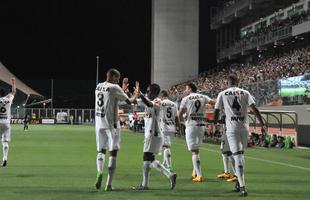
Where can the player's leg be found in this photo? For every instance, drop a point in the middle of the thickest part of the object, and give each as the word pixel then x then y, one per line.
pixel 234 177
pixel 114 141
pixel 147 160
pixel 152 146
pixel 5 138
pixel 167 152
pixel 236 144
pixel 101 140
pixel 226 154
pixel 194 137
pixel 189 141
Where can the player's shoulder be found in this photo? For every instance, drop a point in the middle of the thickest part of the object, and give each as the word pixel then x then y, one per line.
pixel 112 86
pixel 168 101
pixel 244 91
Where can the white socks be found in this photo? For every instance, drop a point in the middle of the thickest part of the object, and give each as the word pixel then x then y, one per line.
pixel 239 167
pixel 232 161
pixel 196 164
pixel 167 157
pixel 112 167
pixel 146 173
pixel 225 162
pixel 159 167
pixel 5 148
pixel 100 162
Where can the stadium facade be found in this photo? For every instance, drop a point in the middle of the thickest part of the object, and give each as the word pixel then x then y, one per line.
pixel 244 28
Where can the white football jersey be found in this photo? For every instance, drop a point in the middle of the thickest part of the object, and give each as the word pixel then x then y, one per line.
pixel 151 119
pixel 235 102
pixel 5 108
pixel 167 116
pixel 194 105
pixel 106 106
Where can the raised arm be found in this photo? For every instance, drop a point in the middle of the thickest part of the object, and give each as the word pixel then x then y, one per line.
pixel 147 102
pixel 133 98
pixel 13 84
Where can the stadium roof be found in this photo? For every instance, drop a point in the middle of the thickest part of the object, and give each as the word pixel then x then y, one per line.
pixel 6 75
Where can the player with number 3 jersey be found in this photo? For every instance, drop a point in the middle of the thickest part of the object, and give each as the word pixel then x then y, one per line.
pixel 108 94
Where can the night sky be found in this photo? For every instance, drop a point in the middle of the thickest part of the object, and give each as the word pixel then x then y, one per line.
pixel 60 39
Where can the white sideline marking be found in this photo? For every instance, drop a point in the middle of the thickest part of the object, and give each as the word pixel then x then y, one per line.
pixel 259 159
pixel 249 157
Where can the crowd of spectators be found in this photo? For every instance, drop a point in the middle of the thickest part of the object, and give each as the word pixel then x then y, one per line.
pixel 260 77
pixel 276 25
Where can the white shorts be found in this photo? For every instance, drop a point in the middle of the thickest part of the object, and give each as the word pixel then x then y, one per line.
pixel 237 140
pixel 5 132
pixel 167 138
pixel 224 143
pixel 108 139
pixel 153 144
pixel 194 136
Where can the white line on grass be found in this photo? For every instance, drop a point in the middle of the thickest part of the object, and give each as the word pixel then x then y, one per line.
pixel 260 159
pixel 249 157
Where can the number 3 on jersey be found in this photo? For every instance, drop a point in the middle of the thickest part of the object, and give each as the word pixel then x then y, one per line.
pixel 100 99
pixel 100 102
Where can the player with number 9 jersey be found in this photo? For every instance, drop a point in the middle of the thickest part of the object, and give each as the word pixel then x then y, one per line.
pixel 194 107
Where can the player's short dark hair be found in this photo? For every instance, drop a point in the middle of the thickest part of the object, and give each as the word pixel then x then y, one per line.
pixel 113 72
pixel 155 88
pixel 233 79
pixel 164 93
pixel 192 86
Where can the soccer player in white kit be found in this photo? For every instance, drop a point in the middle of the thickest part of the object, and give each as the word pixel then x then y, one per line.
pixel 5 118
pixel 235 102
pixel 169 122
pixel 108 94
pixel 194 107
pixel 153 139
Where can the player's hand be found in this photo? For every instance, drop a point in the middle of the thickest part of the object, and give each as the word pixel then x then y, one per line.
pixel 12 80
pixel 137 89
pixel 125 85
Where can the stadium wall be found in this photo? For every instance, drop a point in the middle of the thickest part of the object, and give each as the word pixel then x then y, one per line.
pixel 175 35
pixel 303 133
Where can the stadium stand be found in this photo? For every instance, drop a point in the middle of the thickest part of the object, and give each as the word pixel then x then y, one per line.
pixel 260 78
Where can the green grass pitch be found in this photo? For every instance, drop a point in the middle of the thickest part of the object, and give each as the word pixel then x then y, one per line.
pixel 59 162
